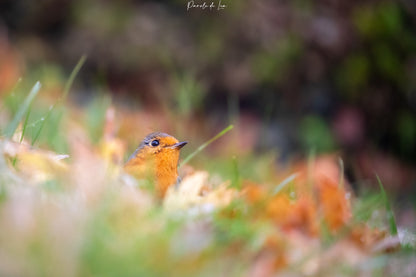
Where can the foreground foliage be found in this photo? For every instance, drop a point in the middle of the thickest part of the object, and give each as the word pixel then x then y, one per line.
pixel 79 214
pixel 84 216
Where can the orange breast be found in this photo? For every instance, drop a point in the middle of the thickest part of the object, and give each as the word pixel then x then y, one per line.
pixel 166 170
pixel 161 167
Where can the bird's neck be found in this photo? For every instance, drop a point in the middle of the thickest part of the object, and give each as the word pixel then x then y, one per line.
pixel 166 173
pixel 162 169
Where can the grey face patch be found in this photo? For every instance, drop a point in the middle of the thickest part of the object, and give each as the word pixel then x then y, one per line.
pixel 146 141
pixel 152 136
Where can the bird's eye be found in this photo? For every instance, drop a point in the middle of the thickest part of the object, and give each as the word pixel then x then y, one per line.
pixel 155 143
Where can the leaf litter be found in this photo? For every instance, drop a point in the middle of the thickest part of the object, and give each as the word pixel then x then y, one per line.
pixel 82 215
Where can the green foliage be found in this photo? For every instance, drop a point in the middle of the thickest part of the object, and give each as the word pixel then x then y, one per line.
pixel 375 209
pixel 354 74
pixel 388 63
pixel 95 117
pixel 231 224
pixel 204 145
pixel 258 168
pixel 390 213
pixel 284 183
pixel 23 108
pixel 366 206
pixel 315 134
pixel 236 179
pixel 379 21
pixel 272 65
pixel 189 94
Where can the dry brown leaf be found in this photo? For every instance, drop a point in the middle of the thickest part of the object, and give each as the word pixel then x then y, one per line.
pixel 321 181
pixel 334 203
pixel 40 166
pixel 365 237
pixel 220 196
pixel 111 148
pixel 187 193
pixel 299 214
pixel 252 192
pixel 36 165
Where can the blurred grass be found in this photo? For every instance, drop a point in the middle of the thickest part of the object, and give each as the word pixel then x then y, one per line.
pixel 390 214
pixel 316 134
pixel 20 113
pixel 95 117
pixel 114 236
pixel 204 145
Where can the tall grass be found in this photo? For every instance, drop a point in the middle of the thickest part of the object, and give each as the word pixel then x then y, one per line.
pixel 23 108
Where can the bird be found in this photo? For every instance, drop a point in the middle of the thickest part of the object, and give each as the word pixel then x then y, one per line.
pixel 156 159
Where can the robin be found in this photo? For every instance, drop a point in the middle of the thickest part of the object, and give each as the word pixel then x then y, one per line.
pixel 156 158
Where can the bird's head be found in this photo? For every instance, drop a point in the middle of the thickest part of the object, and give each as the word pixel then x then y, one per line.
pixel 158 144
pixel 157 156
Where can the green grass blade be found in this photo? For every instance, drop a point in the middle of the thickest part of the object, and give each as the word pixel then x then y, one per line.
pixel 311 168
pixel 67 87
pixel 11 128
pixel 390 214
pixel 42 121
pixel 203 146
pixel 74 73
pixel 236 180
pixel 342 173
pixel 25 124
pixel 282 184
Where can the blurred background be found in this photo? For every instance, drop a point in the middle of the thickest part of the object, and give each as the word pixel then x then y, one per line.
pixel 294 77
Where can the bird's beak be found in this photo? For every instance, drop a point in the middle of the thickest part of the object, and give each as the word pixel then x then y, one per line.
pixel 179 145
